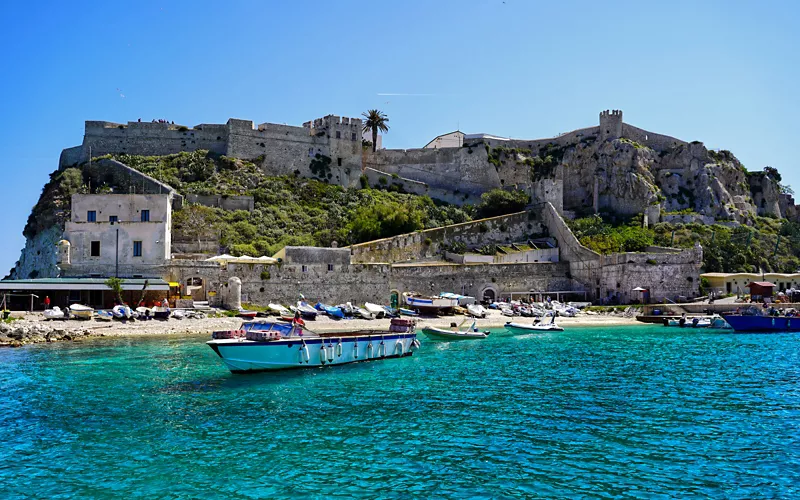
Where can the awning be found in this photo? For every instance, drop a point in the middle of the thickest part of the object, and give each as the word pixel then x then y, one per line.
pixel 154 284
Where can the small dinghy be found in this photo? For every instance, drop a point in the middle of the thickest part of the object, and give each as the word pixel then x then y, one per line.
pixel 306 311
pixel 377 311
pixel 161 312
pixel 333 312
pixel 81 312
pixel 177 314
pixel 122 312
pixel 243 313
pixel 347 309
pixel 390 312
pixel 476 311
pixel 551 326
pixel 278 309
pixel 144 312
pixel 103 315
pixel 363 313
pixel 454 333
pixel 54 313
pixel 408 312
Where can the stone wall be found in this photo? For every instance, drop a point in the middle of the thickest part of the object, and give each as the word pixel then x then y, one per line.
pixel 384 180
pixel 131 181
pixel 224 202
pixel 657 142
pixel 429 244
pixel 150 139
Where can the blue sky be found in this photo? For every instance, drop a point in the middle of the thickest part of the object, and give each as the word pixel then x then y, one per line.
pixel 724 73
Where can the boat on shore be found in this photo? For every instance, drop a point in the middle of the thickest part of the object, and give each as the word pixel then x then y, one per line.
pixel 376 310
pixel 476 311
pixel 455 332
pixel 267 345
pixel 429 305
pixel 55 313
pixel 103 315
pixel 81 312
pixel 306 311
pixel 332 311
pixel 407 312
pixel 161 312
pixel 278 309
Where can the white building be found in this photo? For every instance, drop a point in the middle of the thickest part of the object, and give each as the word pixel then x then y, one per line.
pixel 451 140
pixel 131 231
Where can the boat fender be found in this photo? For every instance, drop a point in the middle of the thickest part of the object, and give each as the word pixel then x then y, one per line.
pixel 355 349
pixel 322 354
pixel 329 351
pixel 304 357
pixel 339 349
pixel 414 345
pixel 369 350
pixel 382 349
pixel 399 348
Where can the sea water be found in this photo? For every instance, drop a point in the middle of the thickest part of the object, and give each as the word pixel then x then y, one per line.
pixel 640 411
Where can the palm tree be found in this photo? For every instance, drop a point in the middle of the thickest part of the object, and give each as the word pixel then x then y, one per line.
pixel 376 121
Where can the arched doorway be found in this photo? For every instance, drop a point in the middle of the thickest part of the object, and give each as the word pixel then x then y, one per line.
pixel 195 287
pixel 489 295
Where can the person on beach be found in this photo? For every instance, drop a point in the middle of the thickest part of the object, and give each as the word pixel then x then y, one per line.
pixel 47 302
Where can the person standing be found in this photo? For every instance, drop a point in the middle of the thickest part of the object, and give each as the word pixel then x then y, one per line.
pixel 47 302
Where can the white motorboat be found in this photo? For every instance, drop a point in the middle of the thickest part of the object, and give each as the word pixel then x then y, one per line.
pixel 178 314
pixel 122 312
pixel 536 327
pixel 360 311
pixel 455 332
pixel 476 310
pixel 377 311
pixel 279 309
pixel 103 315
pixel 506 311
pixel 306 311
pixel 54 313
pixel 144 312
pixel 278 346
pixel 81 312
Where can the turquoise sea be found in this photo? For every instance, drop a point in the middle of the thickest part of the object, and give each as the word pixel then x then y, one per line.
pixel 637 411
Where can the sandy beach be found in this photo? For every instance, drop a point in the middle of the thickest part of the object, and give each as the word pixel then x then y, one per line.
pixel 33 328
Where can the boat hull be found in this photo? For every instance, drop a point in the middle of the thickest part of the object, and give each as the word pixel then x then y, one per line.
pixel 521 329
pixel 763 324
pixel 245 356
pixel 437 334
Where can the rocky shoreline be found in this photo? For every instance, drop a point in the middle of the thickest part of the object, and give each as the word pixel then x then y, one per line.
pixel 33 329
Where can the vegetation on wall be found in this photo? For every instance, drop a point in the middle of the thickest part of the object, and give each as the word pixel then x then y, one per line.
pixel 499 201
pixel 771 245
pixel 288 210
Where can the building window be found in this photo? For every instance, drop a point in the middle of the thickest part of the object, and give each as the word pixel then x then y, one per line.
pixel 95 249
pixel 91 216
pixel 339 161
pixel 353 137
pixel 338 134
pixel 113 218
pixel 305 269
pixel 330 267
pixel 137 248
pixel 145 215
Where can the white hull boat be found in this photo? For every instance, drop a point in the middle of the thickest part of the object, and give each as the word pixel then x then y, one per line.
pixel 54 313
pixel 430 305
pixel 81 311
pixel 360 311
pixel 122 312
pixel 282 346
pixel 377 311
pixel 306 311
pixel 277 308
pixel 533 328
pixel 476 310
pixel 104 315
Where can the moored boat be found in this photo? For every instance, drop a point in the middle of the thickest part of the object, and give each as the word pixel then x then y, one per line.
pixel 54 313
pixel 756 321
pixel 278 346
pixel 454 332
pixel 536 327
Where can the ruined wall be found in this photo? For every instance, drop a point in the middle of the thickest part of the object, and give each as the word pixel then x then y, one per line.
pixel 231 203
pixel 150 139
pixel 428 244
pixel 654 141
pixel 114 173
pixel 464 169
pixel 451 194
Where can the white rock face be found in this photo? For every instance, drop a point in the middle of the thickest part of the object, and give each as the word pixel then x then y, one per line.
pixel 38 258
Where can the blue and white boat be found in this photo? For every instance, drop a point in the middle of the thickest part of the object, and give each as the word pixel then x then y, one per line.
pixel 263 346
pixel 429 305
pixel 333 312
pixel 752 321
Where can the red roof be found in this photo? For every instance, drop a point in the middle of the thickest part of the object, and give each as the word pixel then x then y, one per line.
pixel 760 283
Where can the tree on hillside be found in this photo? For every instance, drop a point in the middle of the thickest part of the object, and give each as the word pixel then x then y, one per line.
pixel 500 202
pixel 376 121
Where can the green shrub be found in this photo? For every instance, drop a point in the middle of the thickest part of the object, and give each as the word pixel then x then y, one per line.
pixel 500 202
pixel 265 275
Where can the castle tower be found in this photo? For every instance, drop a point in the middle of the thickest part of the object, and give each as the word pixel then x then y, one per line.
pixel 610 124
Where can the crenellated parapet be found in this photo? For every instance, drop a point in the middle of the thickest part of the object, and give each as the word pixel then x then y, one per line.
pixel 611 124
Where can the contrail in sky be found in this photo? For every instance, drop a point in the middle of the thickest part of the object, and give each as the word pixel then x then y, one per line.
pixel 402 94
